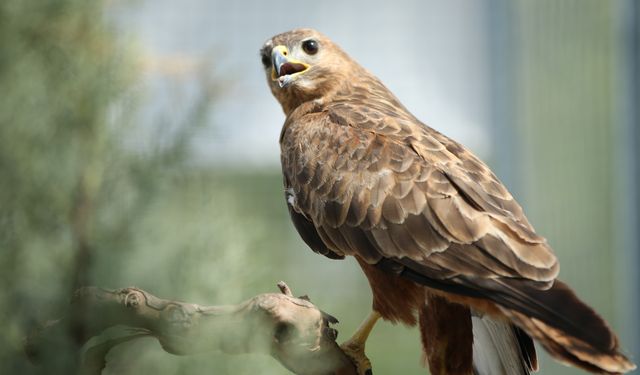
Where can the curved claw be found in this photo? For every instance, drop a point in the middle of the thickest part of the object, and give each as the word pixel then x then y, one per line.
pixel 355 351
pixel 354 347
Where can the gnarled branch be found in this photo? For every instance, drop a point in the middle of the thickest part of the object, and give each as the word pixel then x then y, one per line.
pixel 290 329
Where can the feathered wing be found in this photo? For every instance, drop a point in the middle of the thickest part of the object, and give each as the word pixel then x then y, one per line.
pixel 377 184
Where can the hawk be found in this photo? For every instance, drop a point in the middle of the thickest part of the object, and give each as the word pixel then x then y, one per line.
pixel 442 242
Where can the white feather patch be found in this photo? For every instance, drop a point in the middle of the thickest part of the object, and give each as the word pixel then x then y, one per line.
pixel 495 348
pixel 291 197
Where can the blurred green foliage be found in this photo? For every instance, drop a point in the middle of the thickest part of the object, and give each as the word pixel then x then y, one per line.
pixel 59 73
pixel 78 206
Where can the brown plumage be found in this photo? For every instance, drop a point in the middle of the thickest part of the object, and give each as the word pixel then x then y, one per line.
pixel 433 228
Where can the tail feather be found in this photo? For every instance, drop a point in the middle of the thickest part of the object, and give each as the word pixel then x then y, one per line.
pixel 571 350
pixel 527 347
pixel 570 330
pixel 499 348
pixel 565 326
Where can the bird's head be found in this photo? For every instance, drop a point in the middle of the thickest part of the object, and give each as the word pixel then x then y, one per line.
pixel 303 65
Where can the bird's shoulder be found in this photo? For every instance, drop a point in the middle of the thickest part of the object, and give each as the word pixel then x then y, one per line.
pixel 389 186
pixel 366 124
pixel 378 149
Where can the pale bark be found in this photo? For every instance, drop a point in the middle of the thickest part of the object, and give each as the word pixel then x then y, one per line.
pixel 290 329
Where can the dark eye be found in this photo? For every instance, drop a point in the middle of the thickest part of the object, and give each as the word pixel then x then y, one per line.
pixel 310 46
pixel 266 60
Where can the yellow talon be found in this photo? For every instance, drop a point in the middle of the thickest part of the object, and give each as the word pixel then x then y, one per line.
pixel 354 347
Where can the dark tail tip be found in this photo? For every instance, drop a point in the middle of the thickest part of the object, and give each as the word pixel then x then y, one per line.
pixel 567 327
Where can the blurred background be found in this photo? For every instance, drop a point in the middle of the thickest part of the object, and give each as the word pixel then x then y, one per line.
pixel 138 146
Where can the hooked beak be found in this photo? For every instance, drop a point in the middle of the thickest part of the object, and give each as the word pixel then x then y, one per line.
pixel 285 69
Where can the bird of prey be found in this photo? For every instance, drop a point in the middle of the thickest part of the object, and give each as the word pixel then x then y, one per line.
pixel 440 239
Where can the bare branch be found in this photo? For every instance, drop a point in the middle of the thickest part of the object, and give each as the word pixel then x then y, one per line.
pixel 292 330
pixel 284 288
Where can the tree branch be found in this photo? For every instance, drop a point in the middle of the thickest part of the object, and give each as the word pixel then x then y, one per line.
pixel 290 329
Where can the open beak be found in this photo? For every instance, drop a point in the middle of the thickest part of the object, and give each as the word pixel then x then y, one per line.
pixel 284 68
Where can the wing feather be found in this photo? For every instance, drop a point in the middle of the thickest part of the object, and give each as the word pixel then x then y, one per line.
pixel 425 235
pixel 413 193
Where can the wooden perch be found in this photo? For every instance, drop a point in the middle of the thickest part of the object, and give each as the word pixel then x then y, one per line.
pixel 290 329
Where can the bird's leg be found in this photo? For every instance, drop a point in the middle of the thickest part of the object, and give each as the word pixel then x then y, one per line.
pixel 354 347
